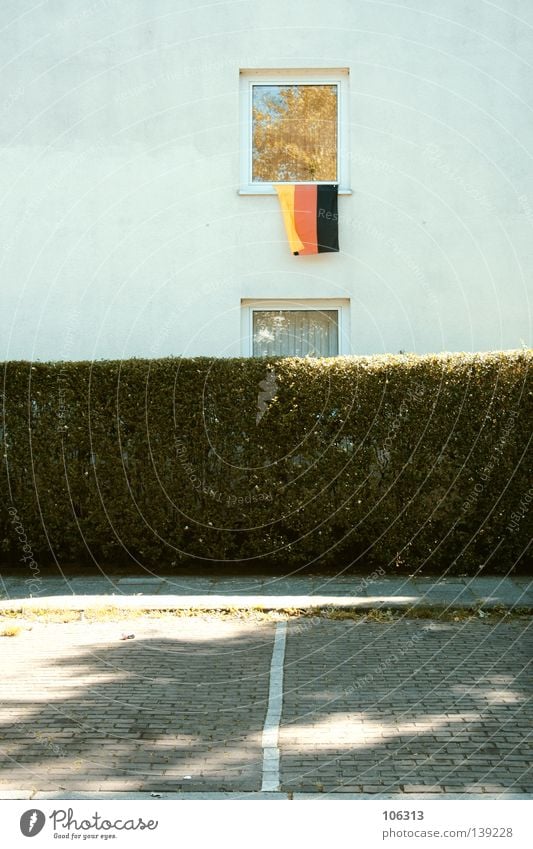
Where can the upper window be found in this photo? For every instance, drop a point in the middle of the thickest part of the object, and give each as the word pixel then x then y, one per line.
pixel 294 133
pixel 294 128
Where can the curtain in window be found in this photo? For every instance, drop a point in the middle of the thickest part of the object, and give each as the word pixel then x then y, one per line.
pixel 295 333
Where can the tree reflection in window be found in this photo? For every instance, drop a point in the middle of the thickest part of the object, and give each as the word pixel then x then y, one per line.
pixel 294 136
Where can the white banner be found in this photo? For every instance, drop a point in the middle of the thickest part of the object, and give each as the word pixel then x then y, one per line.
pixel 239 823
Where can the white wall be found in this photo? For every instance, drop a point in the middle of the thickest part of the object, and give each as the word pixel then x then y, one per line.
pixel 121 230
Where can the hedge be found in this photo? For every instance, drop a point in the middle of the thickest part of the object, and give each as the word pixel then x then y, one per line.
pixel 405 462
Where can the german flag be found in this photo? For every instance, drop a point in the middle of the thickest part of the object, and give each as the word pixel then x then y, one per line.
pixel 310 216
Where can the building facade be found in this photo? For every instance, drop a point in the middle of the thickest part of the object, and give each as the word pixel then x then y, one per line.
pixel 140 149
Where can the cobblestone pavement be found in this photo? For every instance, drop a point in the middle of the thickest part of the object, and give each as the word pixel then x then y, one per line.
pixel 180 706
pixel 406 706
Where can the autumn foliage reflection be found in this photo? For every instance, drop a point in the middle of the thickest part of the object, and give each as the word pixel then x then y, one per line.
pixel 294 133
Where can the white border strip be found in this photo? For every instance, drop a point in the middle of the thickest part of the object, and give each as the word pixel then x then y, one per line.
pixel 271 776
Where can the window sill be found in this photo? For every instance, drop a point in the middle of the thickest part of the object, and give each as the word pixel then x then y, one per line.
pixel 270 191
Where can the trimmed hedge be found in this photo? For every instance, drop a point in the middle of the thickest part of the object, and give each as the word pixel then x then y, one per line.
pixel 402 462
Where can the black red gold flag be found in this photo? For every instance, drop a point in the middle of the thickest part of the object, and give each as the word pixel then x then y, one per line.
pixel 310 216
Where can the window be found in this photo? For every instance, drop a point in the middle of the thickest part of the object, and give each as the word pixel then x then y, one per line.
pixel 309 328
pixel 295 333
pixel 294 133
pixel 294 128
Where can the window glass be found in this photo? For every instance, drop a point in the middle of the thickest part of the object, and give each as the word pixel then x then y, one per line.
pixel 295 333
pixel 294 133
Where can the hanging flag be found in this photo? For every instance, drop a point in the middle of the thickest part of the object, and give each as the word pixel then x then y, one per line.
pixel 310 216
pixel 286 198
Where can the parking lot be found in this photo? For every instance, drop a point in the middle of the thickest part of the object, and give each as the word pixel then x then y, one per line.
pixel 211 703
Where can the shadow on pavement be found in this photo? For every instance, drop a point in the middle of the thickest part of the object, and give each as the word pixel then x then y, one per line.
pixel 151 713
pixel 368 707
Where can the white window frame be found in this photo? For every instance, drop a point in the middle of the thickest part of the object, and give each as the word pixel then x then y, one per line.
pixel 251 305
pixel 295 76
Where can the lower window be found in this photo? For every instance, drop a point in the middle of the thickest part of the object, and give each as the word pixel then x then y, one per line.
pixel 294 328
pixel 295 333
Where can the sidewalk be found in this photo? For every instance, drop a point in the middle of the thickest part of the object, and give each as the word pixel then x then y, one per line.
pixel 266 592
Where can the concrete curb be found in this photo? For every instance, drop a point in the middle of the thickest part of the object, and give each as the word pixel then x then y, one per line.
pixel 253 796
pixel 247 602
pixel 225 592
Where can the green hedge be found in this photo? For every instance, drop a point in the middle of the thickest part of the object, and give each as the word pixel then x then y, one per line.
pixel 402 462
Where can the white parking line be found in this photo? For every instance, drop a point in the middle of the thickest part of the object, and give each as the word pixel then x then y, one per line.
pixel 271 777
